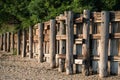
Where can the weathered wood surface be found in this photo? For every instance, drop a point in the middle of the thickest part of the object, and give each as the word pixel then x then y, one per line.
pixel 4 43
pixel 12 42
pixel 40 42
pixel 1 44
pixel 8 41
pixel 24 43
pixel 62 47
pixel 69 43
pixel 18 42
pixel 104 44
pixel 30 42
pixel 85 46
pixel 52 43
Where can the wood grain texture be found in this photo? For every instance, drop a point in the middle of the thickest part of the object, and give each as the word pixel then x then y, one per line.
pixel 62 47
pixel 104 44
pixel 85 46
pixel 24 43
pixel 69 43
pixel 40 42
pixel 30 42
pixel 52 43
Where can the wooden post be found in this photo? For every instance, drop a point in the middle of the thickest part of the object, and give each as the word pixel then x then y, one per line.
pixel 24 44
pixel 8 41
pixel 69 43
pixel 62 47
pixel 104 44
pixel 1 45
pixel 12 42
pixel 18 42
pixel 4 42
pixel 40 42
pixel 85 46
pixel 30 42
pixel 52 43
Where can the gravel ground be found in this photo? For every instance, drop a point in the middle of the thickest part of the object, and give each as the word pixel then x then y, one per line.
pixel 14 67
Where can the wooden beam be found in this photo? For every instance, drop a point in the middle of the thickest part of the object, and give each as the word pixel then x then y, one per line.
pixel 95 36
pixel 52 43
pixel 8 41
pixel 61 18
pixel 62 46
pixel 104 44
pixel 79 20
pixel 115 16
pixel 110 58
pixel 1 44
pixel 4 43
pixel 69 43
pixel 18 42
pixel 12 42
pixel 78 41
pixel 30 42
pixel 24 43
pixel 115 35
pixel 46 55
pixel 61 37
pixel 85 46
pixel 40 42
pixel 96 16
pixel 78 61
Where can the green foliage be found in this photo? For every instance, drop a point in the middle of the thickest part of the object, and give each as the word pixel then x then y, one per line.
pixel 24 13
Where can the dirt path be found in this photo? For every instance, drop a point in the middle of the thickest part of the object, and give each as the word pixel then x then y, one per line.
pixel 16 68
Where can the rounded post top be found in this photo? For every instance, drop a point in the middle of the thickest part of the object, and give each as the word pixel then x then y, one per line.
pixel 86 13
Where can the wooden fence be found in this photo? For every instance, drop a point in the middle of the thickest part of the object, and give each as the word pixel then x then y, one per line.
pixel 75 43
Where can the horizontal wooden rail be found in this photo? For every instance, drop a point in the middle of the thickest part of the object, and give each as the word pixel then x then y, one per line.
pixel 61 18
pixel 110 58
pixel 46 55
pixel 60 37
pixel 78 41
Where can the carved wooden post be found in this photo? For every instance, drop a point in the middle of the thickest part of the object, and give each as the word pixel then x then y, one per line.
pixel 40 42
pixel 30 42
pixel 52 43
pixel 1 44
pixel 12 42
pixel 104 44
pixel 69 43
pixel 24 44
pixel 62 47
pixel 85 46
pixel 8 41
pixel 5 42
pixel 18 42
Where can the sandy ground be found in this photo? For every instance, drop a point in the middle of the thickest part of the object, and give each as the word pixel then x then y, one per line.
pixel 14 67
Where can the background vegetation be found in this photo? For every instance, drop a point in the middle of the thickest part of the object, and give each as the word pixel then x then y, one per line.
pixel 25 13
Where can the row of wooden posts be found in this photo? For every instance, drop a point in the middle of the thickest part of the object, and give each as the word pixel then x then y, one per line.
pixel 66 58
